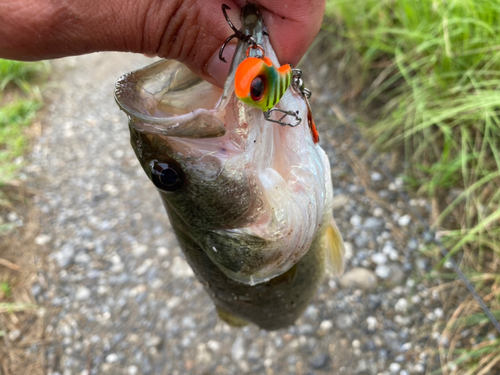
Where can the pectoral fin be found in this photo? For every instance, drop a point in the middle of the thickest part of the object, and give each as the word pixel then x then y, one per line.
pixel 229 318
pixel 334 247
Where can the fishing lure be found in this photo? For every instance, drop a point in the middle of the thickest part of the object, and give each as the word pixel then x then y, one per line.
pixel 260 84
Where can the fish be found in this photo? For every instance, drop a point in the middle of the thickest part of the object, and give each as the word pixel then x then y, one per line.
pixel 250 201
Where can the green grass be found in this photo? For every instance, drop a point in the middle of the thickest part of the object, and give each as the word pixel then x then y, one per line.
pixel 16 307
pixel 5 289
pixel 20 74
pixel 431 73
pixel 14 117
pixel 19 101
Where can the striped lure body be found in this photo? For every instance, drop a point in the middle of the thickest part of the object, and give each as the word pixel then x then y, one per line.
pixel 260 84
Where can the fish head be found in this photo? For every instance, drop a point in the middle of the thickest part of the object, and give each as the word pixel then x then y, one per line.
pixel 251 194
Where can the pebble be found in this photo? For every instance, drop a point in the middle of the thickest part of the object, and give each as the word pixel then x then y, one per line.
pixel 372 323
pixel 36 290
pixel 372 223
pixel 419 368
pixel 363 368
pixel 213 345
pixel 376 176
pixel 355 220
pixel 438 312
pixel 138 250
pixel 112 358
pixel 404 220
pixel 402 320
pixel 394 367
pixel 491 336
pixel 407 346
pixel 82 293
pixel 42 239
pixel 14 334
pixel 12 216
pixel 412 244
pixel 379 258
pixel 340 201
pixel 238 349
pixel 429 237
pixel 154 341
pixel 325 326
pixel 388 248
pixel 82 258
pixel 401 305
pixel 180 268
pixel 311 312
pixel 398 276
pixel 394 255
pixel 348 250
pixel 361 278
pixel 319 361
pixel 344 321
pixel 188 322
pixel 306 330
pixel 65 255
pixel 162 251
pixel 382 271
pixel 202 354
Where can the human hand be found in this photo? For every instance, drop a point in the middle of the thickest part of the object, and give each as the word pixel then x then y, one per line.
pixel 190 31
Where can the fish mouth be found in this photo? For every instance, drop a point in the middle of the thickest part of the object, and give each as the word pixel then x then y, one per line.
pixel 167 98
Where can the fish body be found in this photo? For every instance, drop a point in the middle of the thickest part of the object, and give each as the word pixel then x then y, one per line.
pixel 250 202
pixel 260 84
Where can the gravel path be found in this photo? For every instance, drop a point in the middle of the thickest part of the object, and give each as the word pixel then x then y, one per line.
pixel 122 300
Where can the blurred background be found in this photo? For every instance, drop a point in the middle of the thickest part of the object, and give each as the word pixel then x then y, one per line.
pixel 92 280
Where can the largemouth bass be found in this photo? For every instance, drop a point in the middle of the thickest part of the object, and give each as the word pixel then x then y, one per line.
pixel 250 201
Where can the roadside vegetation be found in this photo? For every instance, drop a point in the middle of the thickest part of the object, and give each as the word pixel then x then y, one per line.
pixel 20 327
pixel 427 76
pixel 20 99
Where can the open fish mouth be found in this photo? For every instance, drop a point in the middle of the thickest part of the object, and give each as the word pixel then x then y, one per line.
pixel 166 98
pixel 251 194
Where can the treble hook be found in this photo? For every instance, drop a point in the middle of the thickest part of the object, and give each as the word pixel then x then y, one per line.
pixel 237 34
pixel 267 115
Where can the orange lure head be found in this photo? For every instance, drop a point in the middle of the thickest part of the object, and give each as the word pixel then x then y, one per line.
pixel 259 83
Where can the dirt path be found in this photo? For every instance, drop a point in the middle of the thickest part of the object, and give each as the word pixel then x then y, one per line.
pixel 124 301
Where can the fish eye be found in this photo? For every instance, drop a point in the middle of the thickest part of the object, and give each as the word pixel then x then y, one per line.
pixel 166 176
pixel 257 88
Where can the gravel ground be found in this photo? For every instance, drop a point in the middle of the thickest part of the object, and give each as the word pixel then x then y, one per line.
pixel 122 300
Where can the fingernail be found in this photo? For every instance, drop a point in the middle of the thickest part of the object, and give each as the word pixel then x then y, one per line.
pixel 218 69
